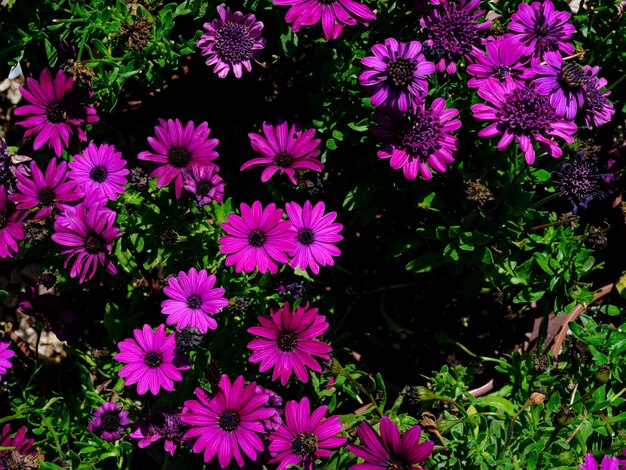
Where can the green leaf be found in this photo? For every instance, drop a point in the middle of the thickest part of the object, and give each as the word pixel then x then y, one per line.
pixel 425 263
pixel 499 403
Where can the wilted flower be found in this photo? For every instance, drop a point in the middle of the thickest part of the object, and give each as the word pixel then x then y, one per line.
pixel 580 181
pixel 109 421
pixel 23 456
pixel 49 309
pixel 189 337
pixel 163 424
pixel 597 108
pixel 276 402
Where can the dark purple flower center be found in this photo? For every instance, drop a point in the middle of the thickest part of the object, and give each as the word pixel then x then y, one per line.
pixel 203 188
pixel 422 135
pixel 4 221
pixel 571 76
pixel 256 238
pixel 455 33
pixel 229 420
pixel 287 341
pixel 304 444
pixel 527 112
pixel 94 243
pixel 233 43
pixel 178 157
pixel 541 28
pixel 283 160
pixel 98 174
pixel 401 71
pixel 110 421
pixel 153 359
pixel 595 100
pixel 579 180
pixel 46 196
pixel 326 2
pixel 546 35
pixel 306 236
pixel 55 112
pixel 501 72
pixel 395 465
pixel 194 302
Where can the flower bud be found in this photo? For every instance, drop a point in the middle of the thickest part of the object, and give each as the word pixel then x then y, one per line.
pixel 538 396
pixel 564 417
pixel 603 375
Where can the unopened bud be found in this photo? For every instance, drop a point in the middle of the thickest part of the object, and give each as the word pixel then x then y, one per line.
pixel 564 417
pixel 538 396
pixel 604 374
pixel 424 394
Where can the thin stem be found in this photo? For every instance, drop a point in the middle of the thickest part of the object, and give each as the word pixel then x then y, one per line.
pixel 510 433
pixel 360 387
pixel 549 198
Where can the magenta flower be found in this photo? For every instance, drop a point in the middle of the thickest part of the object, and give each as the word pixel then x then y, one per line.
pixel 11 226
pixel 179 148
pixel 335 14
pixel 228 422
pixel 231 41
pixel 109 421
pixel 598 110
pixel 193 300
pixel 288 342
pixel 204 183
pixel 540 29
pixel 100 172
pixel 453 30
pixel 315 235
pixel 163 424
pixel 5 354
pixel 276 403
pixel 501 59
pixel 49 190
pixel 149 360
pixel 304 436
pixel 396 74
pixel 420 141
pixel 520 112
pixel 22 448
pixel 88 234
pixel 55 112
pixel 259 238
pixel 608 463
pixel 390 449
pixel 284 149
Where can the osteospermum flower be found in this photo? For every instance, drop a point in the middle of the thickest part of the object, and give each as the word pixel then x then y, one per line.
pixel 285 149
pixel 501 58
pixel 598 110
pixel 231 41
pixel 335 14
pixel 608 463
pixel 580 181
pixel 100 172
pixel 390 449
pixel 288 342
pixel 166 424
pixel 149 359
pixel 421 141
pixel 86 235
pixel 204 183
pixel 109 421
pixel 55 112
pixel 452 31
pixel 520 113
pixel 48 191
pixel 228 422
pixel 259 238
pixel 193 300
pixel 179 148
pixel 315 235
pixel 5 354
pixel 540 29
pixel 305 436
pixel 396 74
pixel 22 456
pixel 11 226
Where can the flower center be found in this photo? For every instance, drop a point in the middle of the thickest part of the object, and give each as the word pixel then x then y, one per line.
pixel 572 76
pixel 455 33
pixel 110 422
pixel 229 420
pixel 283 160
pixel 203 188
pixel 541 28
pixel 401 71
pixel 326 2
pixel 194 302
pixel 595 100
pixel 233 43
pixel 397 466
pixel 306 236
pixel 94 244
pixel 153 359
pixel 304 444
pixel 178 157
pixel 422 135
pixel 55 112
pixel 46 196
pixel 256 238
pixel 527 111
pixel 4 221
pixel 287 341
pixel 501 72
pixel 98 174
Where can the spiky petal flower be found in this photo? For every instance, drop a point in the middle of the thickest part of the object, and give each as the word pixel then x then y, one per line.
pixel 608 463
pixel 580 181
pixel 5 354
pixel 315 235
pixel 11 226
pixel 55 112
pixel 421 141
pixel 259 238
pixel 284 149
pixel 109 421
pixel 179 148
pixel 228 422
pixel 501 58
pixel 397 74
pixel 149 359
pixel 193 300
pixel 231 41
pixel 335 14
pixel 305 436
pixel 598 110
pixel 205 184
pixel 520 113
pixel 166 424
pixel 452 30
pixel 288 342
pixel 390 449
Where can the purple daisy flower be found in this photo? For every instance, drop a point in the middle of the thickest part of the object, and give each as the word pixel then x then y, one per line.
pixel 109 421
pixel 452 31
pixel 88 234
pixel 5 355
pixel 390 449
pixel 259 238
pixel 11 226
pixel 598 110
pixel 204 183
pixel 149 359
pixel 56 111
pixel 166 424
pixel 396 74
pixel 22 455
pixel 228 422
pixel 276 402
pixel 284 149
pixel 49 190
pixel 335 14
pixel 540 29
pixel 501 59
pixel 288 342
pixel 193 300
pixel 179 148
pixel 420 141
pixel 608 463
pixel 100 172
pixel 520 112
pixel 315 235
pixel 305 436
